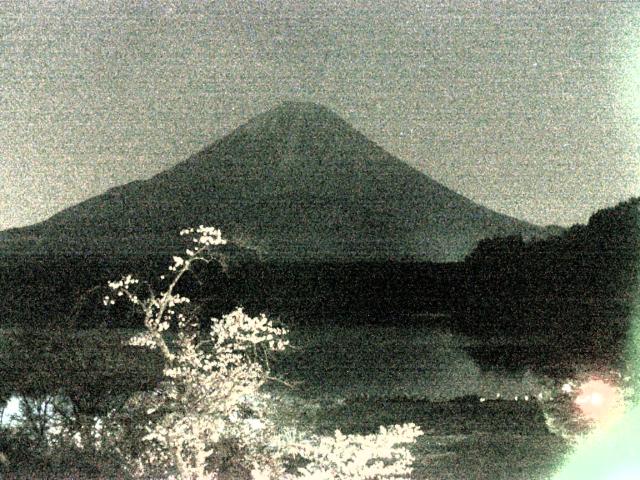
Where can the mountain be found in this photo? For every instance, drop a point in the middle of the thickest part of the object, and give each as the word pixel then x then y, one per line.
pixel 295 182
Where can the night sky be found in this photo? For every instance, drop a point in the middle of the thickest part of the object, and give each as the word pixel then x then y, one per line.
pixel 530 108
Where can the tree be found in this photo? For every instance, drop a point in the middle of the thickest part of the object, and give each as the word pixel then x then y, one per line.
pixel 208 417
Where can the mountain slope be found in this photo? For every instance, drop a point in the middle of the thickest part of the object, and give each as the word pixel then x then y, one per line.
pixel 295 182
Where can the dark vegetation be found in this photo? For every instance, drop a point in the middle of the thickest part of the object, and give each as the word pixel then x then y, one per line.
pixel 577 289
pixel 74 378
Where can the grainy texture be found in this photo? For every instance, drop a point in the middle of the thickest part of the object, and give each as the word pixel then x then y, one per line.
pixel 530 108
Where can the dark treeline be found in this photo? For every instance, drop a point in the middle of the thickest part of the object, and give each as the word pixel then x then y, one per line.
pixel 577 288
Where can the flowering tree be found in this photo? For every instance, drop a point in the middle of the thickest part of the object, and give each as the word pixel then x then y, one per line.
pixel 359 457
pixel 209 415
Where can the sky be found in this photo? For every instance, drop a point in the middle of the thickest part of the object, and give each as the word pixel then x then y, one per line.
pixel 531 108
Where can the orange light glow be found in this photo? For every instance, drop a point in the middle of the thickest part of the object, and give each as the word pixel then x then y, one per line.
pixel 599 401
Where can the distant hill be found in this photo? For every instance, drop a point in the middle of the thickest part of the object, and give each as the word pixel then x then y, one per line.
pixel 296 182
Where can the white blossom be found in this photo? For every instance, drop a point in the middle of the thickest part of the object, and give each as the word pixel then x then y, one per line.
pixel 142 340
pixel 199 405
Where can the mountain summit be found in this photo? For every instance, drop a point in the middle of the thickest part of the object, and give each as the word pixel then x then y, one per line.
pixel 295 182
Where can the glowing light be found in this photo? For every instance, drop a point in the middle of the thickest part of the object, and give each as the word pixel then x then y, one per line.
pixel 599 401
pixel 611 453
pixel 607 454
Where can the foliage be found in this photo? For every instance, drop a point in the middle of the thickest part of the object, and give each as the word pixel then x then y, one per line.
pixel 90 368
pixel 209 417
pixel 576 289
pixel 47 441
